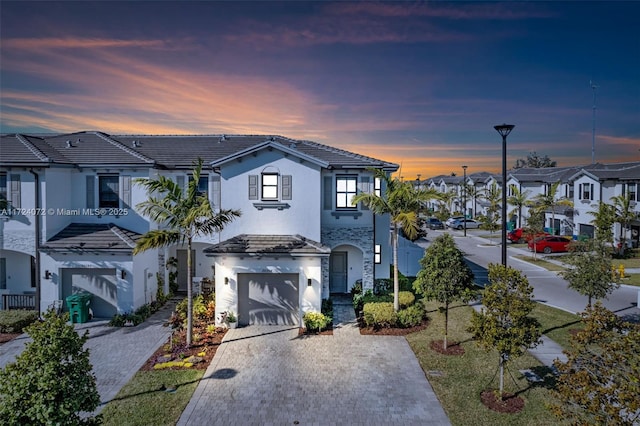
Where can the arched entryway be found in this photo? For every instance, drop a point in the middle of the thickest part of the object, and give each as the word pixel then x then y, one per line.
pixel 345 268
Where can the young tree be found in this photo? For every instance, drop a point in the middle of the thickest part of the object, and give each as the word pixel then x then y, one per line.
pixel 504 323
pixel 535 227
pixel 624 215
pixel 183 215
pixel 535 161
pixel 493 196
pixel 401 201
pixel 603 220
pixel 444 276
pixel 518 200
pixel 591 274
pixel 549 202
pixel 51 381
pixel 599 382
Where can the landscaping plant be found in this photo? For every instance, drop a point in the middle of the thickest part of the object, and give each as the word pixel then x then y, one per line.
pixel 51 381
pixel 600 382
pixel 504 323
pixel 444 276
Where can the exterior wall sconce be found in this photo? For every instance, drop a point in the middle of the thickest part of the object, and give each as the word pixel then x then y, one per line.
pixel 226 280
pixel 47 275
pixel 123 274
pixel 308 282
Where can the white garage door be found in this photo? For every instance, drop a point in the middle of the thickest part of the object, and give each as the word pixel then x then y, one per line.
pixel 100 282
pixel 268 299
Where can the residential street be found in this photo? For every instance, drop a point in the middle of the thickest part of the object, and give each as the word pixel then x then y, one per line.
pixel 549 288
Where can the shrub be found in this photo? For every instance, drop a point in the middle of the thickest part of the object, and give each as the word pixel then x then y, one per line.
pixel 16 321
pixel 382 286
pixel 200 308
pixel 379 314
pixel 360 300
pixel 357 288
pixel 51 381
pixel 327 307
pixel 315 320
pixel 406 299
pixel 411 316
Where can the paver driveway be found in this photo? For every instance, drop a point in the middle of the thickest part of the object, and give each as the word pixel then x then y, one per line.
pixel 269 375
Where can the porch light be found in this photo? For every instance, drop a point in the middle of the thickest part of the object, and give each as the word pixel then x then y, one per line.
pixel 123 274
pixel 47 275
pixel 226 280
pixel 308 282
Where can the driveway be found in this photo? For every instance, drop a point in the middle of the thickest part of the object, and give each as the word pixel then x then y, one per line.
pixel 270 375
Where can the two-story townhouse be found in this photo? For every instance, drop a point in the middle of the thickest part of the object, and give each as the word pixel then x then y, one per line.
pixel 600 183
pixel 299 238
pixel 475 192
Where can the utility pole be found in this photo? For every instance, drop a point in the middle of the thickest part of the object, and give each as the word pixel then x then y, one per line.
pixel 593 133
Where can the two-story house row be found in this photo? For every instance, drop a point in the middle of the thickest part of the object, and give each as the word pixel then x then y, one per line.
pixel 71 222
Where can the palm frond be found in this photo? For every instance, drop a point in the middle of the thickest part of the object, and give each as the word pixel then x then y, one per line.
pixel 157 239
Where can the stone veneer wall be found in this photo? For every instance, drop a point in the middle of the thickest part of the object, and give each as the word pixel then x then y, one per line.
pixel 360 237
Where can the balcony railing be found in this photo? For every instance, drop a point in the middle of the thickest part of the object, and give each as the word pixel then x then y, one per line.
pixel 18 301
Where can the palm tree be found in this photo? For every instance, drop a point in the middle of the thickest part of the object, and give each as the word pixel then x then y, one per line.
pixel 185 215
pixel 624 214
pixel 550 201
pixel 401 201
pixel 447 198
pixel 474 193
pixel 518 200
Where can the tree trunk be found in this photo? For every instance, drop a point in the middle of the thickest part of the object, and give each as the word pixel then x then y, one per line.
pixel 446 325
pixel 501 375
pixel 396 283
pixel 189 294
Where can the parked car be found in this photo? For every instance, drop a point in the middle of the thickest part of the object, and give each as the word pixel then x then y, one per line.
pixel 550 244
pixel 518 236
pixel 434 223
pixel 452 219
pixel 459 224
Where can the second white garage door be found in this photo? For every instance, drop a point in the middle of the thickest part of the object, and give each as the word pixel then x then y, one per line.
pixel 268 299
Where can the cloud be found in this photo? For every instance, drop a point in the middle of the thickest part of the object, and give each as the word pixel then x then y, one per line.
pixel 77 43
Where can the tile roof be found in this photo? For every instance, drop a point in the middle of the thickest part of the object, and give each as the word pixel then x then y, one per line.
pixel 269 245
pixel 179 151
pixel 92 236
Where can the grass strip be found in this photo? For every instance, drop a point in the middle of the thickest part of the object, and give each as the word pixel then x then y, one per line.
pixel 459 380
pixel 540 262
pixel 145 400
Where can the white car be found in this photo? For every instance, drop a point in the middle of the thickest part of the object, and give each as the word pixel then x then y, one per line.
pixel 459 224
pixel 452 219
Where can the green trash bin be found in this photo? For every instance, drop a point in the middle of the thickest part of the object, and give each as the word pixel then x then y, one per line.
pixel 78 305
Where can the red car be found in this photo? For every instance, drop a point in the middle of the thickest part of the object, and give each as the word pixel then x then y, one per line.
pixel 517 236
pixel 550 244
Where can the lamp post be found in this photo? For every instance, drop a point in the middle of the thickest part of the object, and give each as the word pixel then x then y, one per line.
pixel 464 198
pixel 504 130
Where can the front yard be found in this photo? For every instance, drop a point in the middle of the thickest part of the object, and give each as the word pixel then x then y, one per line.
pixel 459 380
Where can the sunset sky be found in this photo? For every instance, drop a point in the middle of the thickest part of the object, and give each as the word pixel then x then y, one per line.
pixel 420 84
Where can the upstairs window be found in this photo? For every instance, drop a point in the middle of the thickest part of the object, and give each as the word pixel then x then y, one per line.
pixel 632 190
pixel 203 185
pixel 269 186
pixel 377 187
pixel 346 189
pixel 586 191
pixel 108 191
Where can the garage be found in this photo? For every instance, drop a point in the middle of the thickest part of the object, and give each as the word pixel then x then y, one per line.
pixel 268 299
pixel 100 282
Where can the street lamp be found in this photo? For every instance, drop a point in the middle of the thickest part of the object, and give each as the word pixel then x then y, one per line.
pixel 464 198
pixel 504 130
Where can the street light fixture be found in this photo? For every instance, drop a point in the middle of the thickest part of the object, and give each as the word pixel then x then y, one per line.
pixel 504 130
pixel 464 198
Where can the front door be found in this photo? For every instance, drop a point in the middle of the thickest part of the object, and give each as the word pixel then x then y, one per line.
pixel 338 272
pixel 182 268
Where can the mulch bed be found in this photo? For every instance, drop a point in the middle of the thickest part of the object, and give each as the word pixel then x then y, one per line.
pixel 6 337
pixel 207 343
pixel 453 348
pixel 508 404
pixel 391 331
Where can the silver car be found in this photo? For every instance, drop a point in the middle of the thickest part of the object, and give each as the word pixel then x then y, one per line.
pixel 459 224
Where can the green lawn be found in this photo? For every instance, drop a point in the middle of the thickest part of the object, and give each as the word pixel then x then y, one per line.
pixel 540 262
pixel 464 377
pixel 143 401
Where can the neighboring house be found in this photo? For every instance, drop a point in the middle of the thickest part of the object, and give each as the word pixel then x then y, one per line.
pixel 584 185
pixel 298 240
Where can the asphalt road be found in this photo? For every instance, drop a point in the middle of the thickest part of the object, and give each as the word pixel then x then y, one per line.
pixel 549 287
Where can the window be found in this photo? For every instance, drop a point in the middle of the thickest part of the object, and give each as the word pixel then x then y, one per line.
pixel 512 190
pixel 269 186
pixel 3 190
pixel 108 192
pixel 377 254
pixel 586 191
pixel 3 273
pixel 203 185
pixel 632 190
pixel 345 191
pixel 377 188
